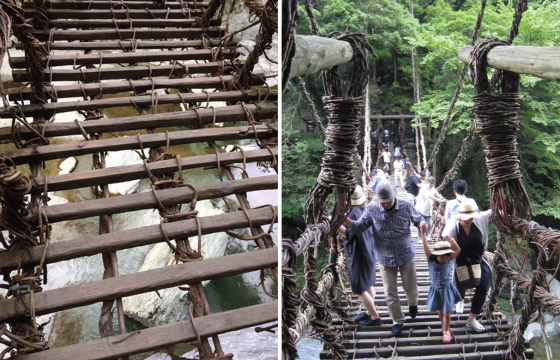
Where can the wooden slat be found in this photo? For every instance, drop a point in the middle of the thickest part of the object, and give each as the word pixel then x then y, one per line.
pixel 124 58
pixel 148 235
pixel 224 114
pixel 433 339
pixel 57 14
pixel 162 336
pixel 133 172
pixel 100 4
pixel 374 335
pixel 128 45
pixel 17 94
pixel 422 350
pixel 126 24
pixel 127 72
pixel 487 355
pixel 50 301
pixel 168 197
pixel 51 152
pixel 140 34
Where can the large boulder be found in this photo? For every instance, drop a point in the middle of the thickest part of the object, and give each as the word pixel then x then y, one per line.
pixel 170 305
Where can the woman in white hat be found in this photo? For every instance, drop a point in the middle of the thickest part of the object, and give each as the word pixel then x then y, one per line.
pixel 471 233
pixel 360 260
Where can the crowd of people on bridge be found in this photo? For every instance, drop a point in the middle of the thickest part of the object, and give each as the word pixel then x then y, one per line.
pixel 378 235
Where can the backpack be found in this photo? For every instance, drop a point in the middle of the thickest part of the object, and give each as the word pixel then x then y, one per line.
pixel 408 183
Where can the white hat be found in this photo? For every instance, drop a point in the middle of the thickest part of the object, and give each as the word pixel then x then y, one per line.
pixel 442 248
pixel 467 210
pixel 358 197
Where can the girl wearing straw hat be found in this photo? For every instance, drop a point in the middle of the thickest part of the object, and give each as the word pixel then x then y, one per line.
pixel 360 260
pixel 443 295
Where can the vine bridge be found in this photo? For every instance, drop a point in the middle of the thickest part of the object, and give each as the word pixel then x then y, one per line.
pixel 326 308
pixel 177 68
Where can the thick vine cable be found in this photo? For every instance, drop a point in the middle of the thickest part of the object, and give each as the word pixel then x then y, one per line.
pixel 290 17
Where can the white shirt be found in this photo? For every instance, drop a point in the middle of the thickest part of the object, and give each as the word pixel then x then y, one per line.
pixel 398 165
pixel 423 202
pixel 386 156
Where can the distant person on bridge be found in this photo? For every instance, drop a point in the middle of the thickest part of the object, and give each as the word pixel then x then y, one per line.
pixel 387 172
pixel 405 162
pixel 413 185
pixel 386 154
pixel 425 202
pixel 360 260
pixel 390 218
pixel 387 136
pixel 471 232
pixel 376 176
pixel 396 141
pixel 443 295
pixel 398 165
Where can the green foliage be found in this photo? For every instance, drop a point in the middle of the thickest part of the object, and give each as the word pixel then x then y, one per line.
pixel 301 158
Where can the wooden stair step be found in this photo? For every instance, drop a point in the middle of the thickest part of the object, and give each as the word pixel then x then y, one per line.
pixel 128 24
pixel 47 302
pixel 108 4
pixel 163 336
pixel 374 335
pixel 126 239
pixel 124 58
pixel 421 350
pixel 129 45
pixel 113 87
pixel 61 14
pixel 434 339
pixel 51 152
pixel 146 200
pixel 126 72
pixel 134 172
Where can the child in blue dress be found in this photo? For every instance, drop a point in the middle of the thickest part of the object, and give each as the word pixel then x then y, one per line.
pixel 443 295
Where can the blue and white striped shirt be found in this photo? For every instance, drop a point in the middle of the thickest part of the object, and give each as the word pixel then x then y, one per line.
pixel 391 231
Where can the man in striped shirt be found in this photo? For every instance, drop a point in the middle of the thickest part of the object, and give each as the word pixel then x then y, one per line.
pixel 390 220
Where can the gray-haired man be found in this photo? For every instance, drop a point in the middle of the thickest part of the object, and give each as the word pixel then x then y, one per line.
pixel 390 219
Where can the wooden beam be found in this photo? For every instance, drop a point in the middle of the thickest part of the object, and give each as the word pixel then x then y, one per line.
pixel 540 61
pixel 162 336
pixel 133 172
pixel 73 296
pixel 128 45
pixel 124 58
pixel 168 197
pixel 56 14
pixel 51 152
pixel 128 72
pixel 148 235
pixel 391 117
pixel 89 5
pixel 127 24
pixel 224 114
pixel 113 87
pixel 315 53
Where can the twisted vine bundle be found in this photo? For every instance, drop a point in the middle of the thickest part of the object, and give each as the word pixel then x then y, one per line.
pixel 342 134
pixel 497 122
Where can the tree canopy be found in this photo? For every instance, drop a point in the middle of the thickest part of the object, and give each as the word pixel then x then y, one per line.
pixel 437 31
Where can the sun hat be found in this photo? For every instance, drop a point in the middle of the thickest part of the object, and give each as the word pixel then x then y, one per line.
pixel 442 248
pixel 358 197
pixel 467 210
pixel 385 192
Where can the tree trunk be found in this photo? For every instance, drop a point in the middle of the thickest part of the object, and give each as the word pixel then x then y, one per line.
pixel 394 53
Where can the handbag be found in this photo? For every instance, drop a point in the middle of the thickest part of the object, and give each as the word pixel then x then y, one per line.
pixel 468 275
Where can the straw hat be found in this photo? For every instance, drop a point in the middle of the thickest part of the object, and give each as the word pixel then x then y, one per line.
pixel 467 210
pixel 442 248
pixel 358 197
